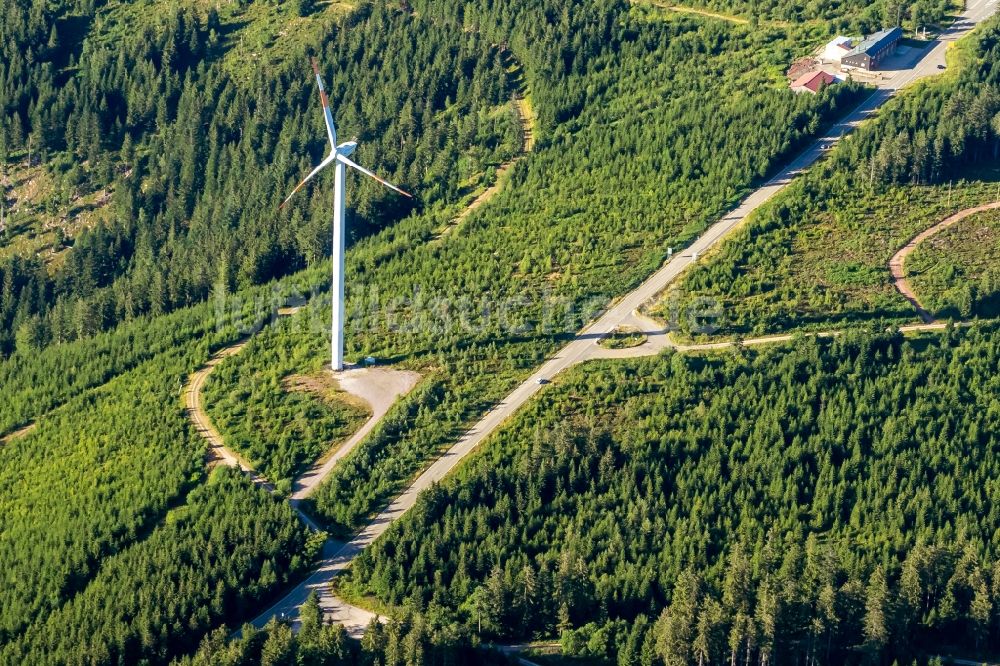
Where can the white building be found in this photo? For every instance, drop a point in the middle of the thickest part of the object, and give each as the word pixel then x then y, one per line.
pixel 836 49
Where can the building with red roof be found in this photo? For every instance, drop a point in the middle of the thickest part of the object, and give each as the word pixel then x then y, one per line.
pixel 813 81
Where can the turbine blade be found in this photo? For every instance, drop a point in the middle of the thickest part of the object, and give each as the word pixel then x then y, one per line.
pixel 355 165
pixel 322 165
pixel 331 130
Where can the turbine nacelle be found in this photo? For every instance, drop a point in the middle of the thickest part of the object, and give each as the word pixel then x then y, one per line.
pixel 347 148
pixel 340 155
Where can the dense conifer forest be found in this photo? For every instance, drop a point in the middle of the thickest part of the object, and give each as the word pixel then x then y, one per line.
pixel 196 162
pixel 109 467
pixel 410 639
pixel 195 155
pixel 826 500
pixel 213 560
pixel 477 311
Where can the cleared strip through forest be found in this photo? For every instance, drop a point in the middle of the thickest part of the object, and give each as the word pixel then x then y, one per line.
pixel 353 618
pixel 526 119
pixel 20 432
pixel 218 450
pixel 680 9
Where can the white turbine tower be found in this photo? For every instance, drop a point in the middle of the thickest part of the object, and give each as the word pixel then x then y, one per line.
pixel 339 155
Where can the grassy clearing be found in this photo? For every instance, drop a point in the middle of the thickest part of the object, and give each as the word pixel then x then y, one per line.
pixel 253 35
pixel 738 20
pixel 323 386
pixel 827 269
pixel 349 592
pixel 283 413
pixel 956 273
pixel 47 207
pixel 816 256
pixel 623 338
pixel 264 33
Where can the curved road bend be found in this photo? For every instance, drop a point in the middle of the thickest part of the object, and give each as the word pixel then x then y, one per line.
pixel 897 265
pixel 379 388
pixel 581 347
pixel 203 424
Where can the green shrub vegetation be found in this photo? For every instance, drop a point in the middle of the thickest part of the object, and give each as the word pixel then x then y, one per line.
pixel 37 379
pixel 111 454
pixel 650 124
pixel 956 272
pixel 829 494
pixel 623 338
pixel 817 259
pixel 279 430
pixel 92 477
pixel 863 16
pixel 817 255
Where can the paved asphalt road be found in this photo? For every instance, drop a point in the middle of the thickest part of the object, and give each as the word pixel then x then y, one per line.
pixel 582 346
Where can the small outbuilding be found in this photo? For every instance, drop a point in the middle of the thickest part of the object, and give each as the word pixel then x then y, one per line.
pixel 812 82
pixel 870 53
pixel 837 49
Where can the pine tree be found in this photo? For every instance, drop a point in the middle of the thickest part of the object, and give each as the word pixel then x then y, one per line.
pixel 310 619
pixel 876 621
pixel 676 628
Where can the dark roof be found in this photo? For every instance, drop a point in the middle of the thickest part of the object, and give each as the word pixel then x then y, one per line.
pixel 876 42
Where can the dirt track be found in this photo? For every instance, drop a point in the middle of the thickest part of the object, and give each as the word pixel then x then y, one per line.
pixel 379 388
pixel 20 432
pixel 897 265
pixel 338 557
pixel 218 451
pixel 526 116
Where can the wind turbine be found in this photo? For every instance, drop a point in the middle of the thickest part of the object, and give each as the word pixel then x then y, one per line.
pixel 338 156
